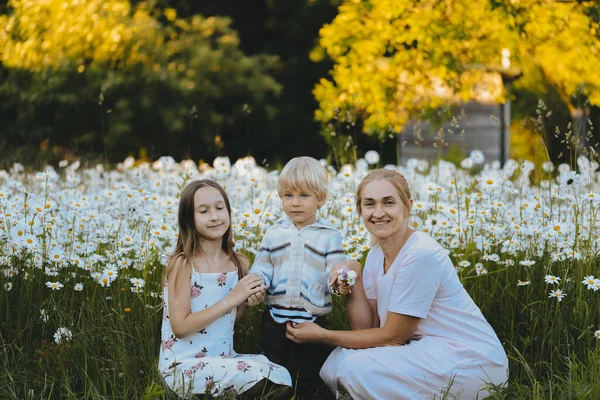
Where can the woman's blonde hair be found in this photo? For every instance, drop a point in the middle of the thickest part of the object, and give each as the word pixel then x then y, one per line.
pixel 188 240
pixel 393 177
pixel 304 173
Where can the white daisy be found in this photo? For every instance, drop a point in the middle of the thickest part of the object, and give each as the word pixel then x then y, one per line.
pixel 591 282
pixel 54 285
pixel 558 293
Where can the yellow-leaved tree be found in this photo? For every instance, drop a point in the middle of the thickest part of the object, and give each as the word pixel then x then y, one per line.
pixel 395 58
pixel 52 33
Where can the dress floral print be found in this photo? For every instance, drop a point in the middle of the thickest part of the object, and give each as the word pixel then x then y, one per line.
pixel 205 362
pixel 196 290
pixel 222 280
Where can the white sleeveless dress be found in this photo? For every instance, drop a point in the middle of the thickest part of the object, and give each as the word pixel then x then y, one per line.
pixel 205 362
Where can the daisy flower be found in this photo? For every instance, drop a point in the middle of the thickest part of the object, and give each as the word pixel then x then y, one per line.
pixel 137 282
pixel 480 269
pixel 62 335
pixel 372 157
pixel 527 263
pixel 558 293
pixel 591 282
pixel 569 178
pixel 491 257
pixel 54 285
pixel 551 279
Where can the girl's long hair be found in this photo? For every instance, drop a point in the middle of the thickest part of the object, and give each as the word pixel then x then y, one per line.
pixel 188 240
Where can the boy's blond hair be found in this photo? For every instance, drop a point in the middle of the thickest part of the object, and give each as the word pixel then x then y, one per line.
pixel 303 173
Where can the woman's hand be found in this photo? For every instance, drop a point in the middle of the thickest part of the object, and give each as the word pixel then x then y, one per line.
pixel 304 333
pixel 246 287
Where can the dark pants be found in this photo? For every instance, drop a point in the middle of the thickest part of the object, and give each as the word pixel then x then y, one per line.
pixel 307 358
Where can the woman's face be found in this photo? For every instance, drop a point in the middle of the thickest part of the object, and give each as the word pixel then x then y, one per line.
pixel 382 211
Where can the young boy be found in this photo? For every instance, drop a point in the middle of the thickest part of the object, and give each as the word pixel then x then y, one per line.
pixel 295 259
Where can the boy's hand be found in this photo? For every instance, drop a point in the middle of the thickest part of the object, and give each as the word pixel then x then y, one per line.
pixel 256 298
pixel 342 287
pixel 333 278
pixel 246 287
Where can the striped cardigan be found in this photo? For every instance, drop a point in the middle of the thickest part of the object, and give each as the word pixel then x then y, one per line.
pixel 295 264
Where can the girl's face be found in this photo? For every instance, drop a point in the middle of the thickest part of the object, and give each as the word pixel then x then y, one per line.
pixel 382 211
pixel 210 213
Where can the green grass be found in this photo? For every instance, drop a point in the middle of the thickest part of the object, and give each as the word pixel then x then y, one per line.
pixel 113 353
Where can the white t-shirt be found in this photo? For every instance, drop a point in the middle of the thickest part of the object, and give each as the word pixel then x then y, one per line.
pixel 423 283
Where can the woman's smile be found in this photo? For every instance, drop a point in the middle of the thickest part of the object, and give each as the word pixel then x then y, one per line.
pixel 380 223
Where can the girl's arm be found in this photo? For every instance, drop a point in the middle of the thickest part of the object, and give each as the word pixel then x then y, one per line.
pixel 241 309
pixel 262 264
pixel 183 321
pixel 398 328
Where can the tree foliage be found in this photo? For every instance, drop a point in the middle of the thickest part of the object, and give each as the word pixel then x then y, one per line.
pixel 177 83
pixel 393 59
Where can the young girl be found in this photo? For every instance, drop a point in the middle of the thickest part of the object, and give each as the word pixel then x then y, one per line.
pixel 205 290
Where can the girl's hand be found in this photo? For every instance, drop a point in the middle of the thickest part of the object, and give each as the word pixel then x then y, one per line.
pixel 246 287
pixel 303 333
pixel 256 298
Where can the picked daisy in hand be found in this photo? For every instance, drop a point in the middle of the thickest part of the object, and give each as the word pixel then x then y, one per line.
pixel 345 280
pixel 347 276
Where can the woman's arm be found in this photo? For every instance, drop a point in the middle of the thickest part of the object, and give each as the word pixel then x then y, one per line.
pixel 398 328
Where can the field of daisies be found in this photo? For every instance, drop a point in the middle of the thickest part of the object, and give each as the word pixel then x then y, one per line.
pixel 82 252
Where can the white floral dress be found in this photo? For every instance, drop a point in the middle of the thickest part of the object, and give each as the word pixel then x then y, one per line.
pixel 205 361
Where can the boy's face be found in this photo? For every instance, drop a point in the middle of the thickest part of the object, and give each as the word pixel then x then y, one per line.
pixel 301 206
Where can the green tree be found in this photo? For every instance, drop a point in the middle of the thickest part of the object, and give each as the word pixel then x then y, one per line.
pixel 288 30
pixel 171 84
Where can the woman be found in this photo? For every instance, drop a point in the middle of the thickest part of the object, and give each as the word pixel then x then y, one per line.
pixel 416 333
